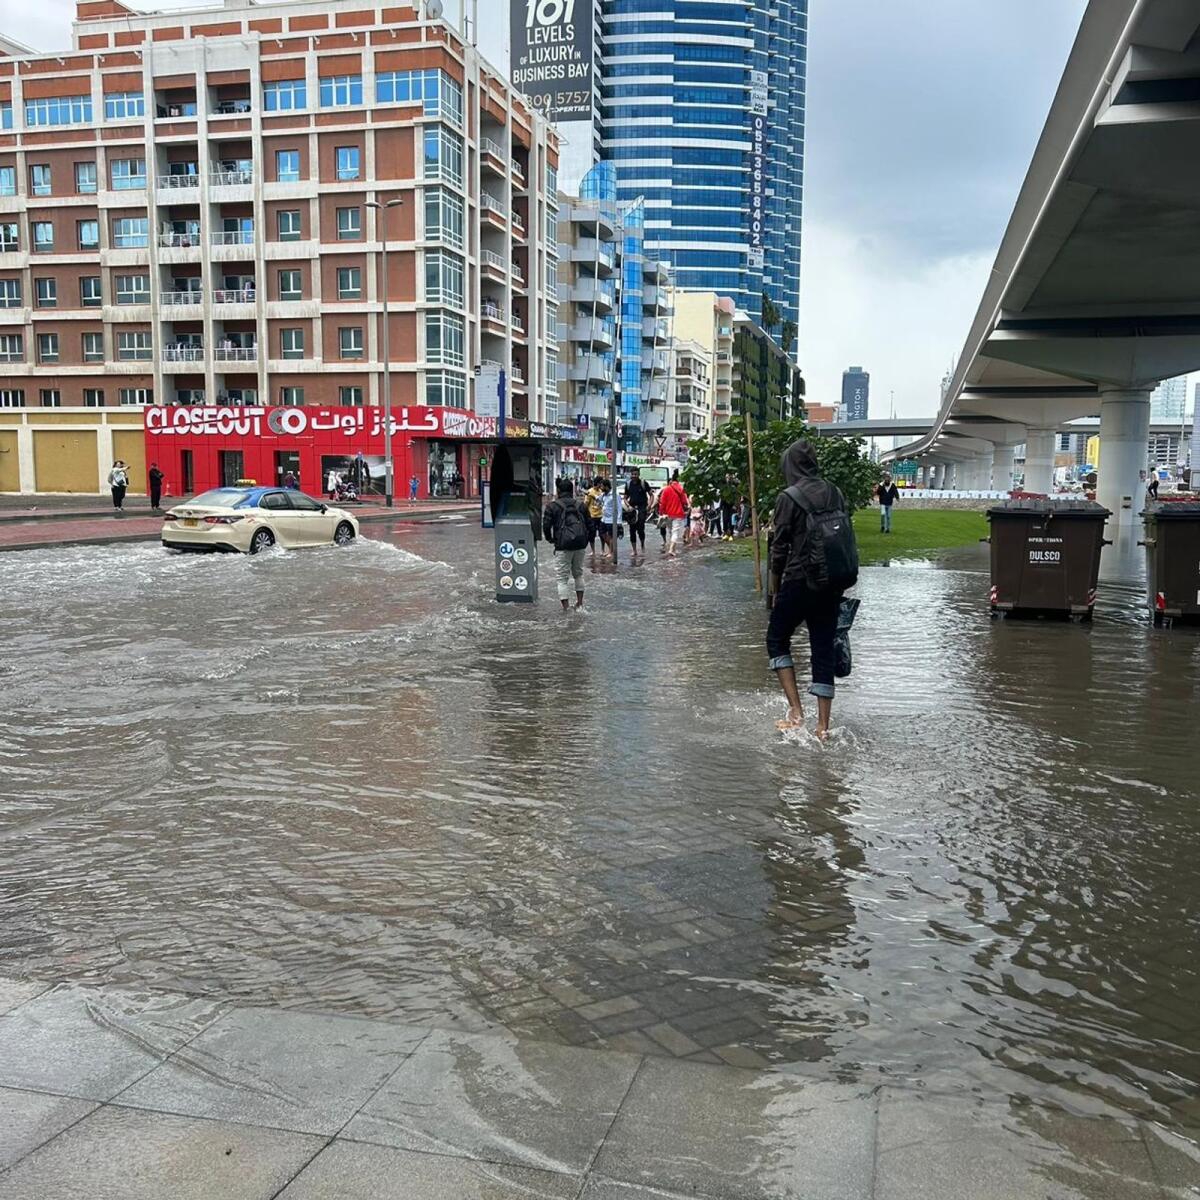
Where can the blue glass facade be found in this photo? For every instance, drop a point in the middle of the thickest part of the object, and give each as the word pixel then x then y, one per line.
pixel 682 82
pixel 633 218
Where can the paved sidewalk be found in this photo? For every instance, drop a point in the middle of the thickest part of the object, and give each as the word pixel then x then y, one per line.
pixel 111 1095
pixel 65 527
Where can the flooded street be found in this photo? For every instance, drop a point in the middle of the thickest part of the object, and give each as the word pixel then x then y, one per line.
pixel 348 781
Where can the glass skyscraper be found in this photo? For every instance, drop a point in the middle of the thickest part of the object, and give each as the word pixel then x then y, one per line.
pixel 702 114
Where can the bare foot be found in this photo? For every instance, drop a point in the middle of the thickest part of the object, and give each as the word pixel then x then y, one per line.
pixel 821 733
pixel 794 720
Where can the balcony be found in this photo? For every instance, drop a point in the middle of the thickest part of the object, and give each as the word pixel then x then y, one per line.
pixel 492 156
pixel 234 237
pixel 242 295
pixel 597 216
pixel 655 329
pixel 655 362
pixel 591 292
pixel 656 391
pixel 493 265
pixel 176 238
pixel 242 354
pixel 492 314
pixel 591 368
pixel 175 299
pixel 601 256
pixel 492 209
pixel 180 183
pixel 183 354
pixel 593 333
pixel 225 176
pixel 227 108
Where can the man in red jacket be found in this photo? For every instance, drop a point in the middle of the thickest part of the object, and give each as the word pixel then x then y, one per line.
pixel 673 504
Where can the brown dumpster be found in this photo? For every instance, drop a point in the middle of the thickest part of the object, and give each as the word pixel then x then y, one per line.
pixel 1173 559
pixel 1046 556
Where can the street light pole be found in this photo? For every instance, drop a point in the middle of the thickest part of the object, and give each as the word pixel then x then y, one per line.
pixel 388 467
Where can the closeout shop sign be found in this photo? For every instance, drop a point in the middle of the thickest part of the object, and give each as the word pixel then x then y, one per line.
pixel 219 421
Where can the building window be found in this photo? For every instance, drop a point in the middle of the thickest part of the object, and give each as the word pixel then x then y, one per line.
pixel 128 174
pixel 8 181
pixel 292 397
pixel 444 339
pixel 349 225
pixel 443 155
pixel 551 229
pixel 89 291
pixel 88 234
pixel 290 284
pixel 93 347
pixel 350 342
pixel 287 221
pixel 43 237
pixel 6 117
pixel 12 347
pixel 10 293
pixel 85 178
pixel 124 106
pixel 12 397
pixel 93 398
pixel 340 90
pixel 446 389
pixel 349 283
pixel 439 95
pixel 287 166
pixel 444 217
pixel 130 233
pixel 39 179
pixel 134 347
pixel 133 289
pixel 50 398
pixel 285 95
pixel 443 278
pixel 47 347
pixel 58 110
pixel 350 396
pixel 552 180
pixel 9 241
pixel 291 343
pixel 47 292
pixel 348 159
pixel 131 396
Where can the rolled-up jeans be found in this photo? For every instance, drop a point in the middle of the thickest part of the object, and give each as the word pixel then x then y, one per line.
pixel 678 526
pixel 797 603
pixel 568 566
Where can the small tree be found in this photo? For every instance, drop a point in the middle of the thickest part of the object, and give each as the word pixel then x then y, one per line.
pixel 719 469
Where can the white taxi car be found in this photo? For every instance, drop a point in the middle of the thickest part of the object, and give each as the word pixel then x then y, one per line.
pixel 246 520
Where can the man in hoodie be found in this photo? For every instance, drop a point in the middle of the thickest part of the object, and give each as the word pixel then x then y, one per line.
pixel 565 525
pixel 813 560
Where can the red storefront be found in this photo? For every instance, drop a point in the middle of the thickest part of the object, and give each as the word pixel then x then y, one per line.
pixel 210 446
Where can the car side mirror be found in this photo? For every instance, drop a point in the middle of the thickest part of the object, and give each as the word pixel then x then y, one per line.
pixel 323 508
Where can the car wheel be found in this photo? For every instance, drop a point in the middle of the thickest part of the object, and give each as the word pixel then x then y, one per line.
pixel 343 535
pixel 263 539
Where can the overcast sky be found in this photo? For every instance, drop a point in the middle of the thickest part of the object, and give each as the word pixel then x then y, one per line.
pixel 922 118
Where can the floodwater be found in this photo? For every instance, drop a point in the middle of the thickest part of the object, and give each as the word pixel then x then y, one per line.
pixel 348 781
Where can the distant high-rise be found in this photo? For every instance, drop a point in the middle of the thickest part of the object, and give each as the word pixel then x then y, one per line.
pixel 1168 401
pixel 856 394
pixel 700 105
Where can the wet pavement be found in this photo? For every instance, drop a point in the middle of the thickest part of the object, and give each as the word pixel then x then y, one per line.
pixel 349 783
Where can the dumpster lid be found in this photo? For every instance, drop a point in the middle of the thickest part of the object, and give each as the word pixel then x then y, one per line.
pixel 1056 508
pixel 1178 510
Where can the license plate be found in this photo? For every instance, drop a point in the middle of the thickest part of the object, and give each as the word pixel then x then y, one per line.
pixel 190 522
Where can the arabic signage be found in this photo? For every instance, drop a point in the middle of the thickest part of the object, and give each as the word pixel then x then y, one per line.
pixel 551 58
pixel 758 156
pixel 308 423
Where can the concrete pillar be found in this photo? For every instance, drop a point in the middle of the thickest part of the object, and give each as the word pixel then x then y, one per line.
pixel 952 475
pixel 939 477
pixel 1124 452
pixel 1039 461
pixel 1002 468
pixel 981 473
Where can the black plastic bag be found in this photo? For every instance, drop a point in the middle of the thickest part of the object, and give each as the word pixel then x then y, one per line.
pixel 843 660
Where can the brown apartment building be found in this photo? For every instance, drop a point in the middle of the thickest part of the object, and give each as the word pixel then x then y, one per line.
pixel 186 213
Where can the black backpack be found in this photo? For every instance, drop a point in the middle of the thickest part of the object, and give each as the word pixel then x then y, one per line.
pixel 572 531
pixel 829 552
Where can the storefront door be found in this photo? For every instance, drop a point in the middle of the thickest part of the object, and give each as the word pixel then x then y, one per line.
pixel 232 466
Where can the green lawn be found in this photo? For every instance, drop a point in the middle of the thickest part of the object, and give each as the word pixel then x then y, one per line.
pixel 916 532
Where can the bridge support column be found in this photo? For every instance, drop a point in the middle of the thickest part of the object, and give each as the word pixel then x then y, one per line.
pixel 1002 468
pixel 939 477
pixel 1124 452
pixel 1039 461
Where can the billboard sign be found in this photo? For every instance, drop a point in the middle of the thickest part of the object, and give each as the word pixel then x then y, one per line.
pixel 758 158
pixel 552 56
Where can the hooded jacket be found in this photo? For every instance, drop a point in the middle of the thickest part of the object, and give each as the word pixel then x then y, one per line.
pixel 790 523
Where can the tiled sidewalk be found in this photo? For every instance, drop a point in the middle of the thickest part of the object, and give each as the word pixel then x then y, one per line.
pixel 108 1095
